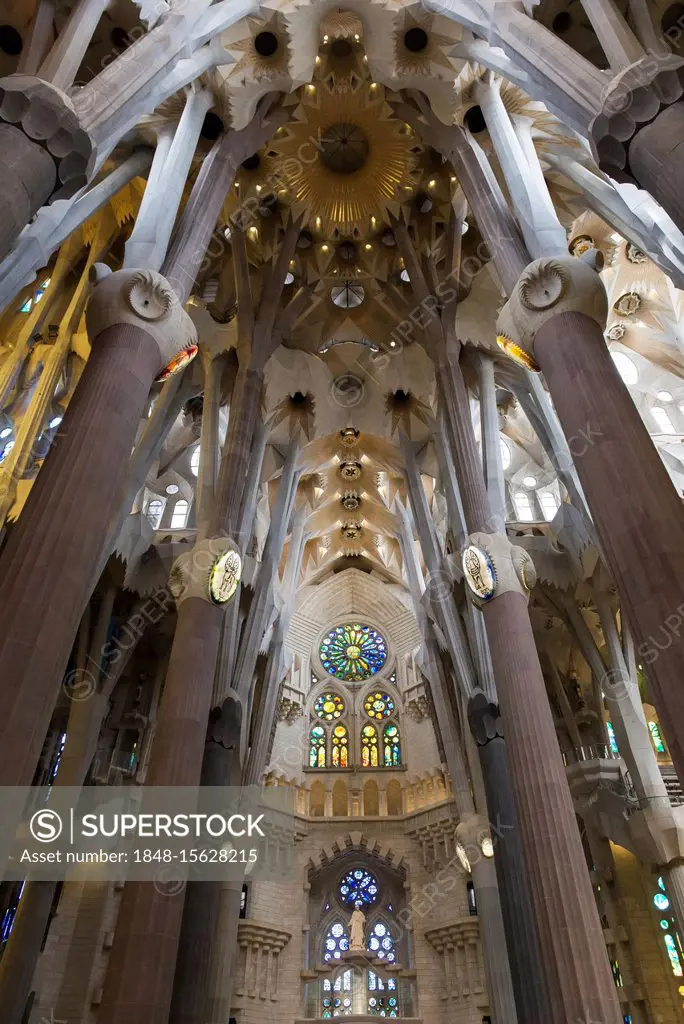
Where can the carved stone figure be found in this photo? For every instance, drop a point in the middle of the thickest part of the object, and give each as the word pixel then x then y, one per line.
pixel 357 925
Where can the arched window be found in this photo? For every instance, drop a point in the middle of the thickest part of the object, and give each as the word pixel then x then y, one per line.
pixel 179 518
pixel 663 421
pixel 155 511
pixel 336 942
pixel 382 995
pixel 195 461
pixel 523 507
pixel 370 757
pixel 626 368
pixel 506 456
pixel 549 504
pixel 381 943
pixel 656 737
pixel 392 746
pixel 340 747
pixel 317 747
pixel 329 706
pixel 340 801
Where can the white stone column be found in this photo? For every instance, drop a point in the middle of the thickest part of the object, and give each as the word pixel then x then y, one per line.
pixel 491 441
pixel 65 58
pixel 149 241
pixel 619 43
pixel 514 147
pixel 41 36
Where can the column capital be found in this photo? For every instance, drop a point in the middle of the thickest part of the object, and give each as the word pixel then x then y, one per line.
pixel 493 566
pixel 545 289
pixel 47 117
pixel 143 299
pixel 211 571
pixel 632 99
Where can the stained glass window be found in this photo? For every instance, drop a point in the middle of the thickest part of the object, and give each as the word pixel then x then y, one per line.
pixel 381 943
pixel 337 999
pixel 673 954
pixel 336 942
pixel 661 901
pixel 329 706
pixel 656 737
pixel 359 886
pixel 369 747
pixel 611 738
pixel 392 747
pixel 340 747
pixel 378 705
pixel 317 754
pixel 353 652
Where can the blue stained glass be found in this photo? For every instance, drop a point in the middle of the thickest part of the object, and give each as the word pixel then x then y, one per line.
pixel 353 652
pixel 673 954
pixel 661 901
pixel 359 887
pixel 611 738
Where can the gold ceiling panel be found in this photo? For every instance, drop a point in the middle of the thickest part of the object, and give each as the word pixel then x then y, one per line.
pixel 341 196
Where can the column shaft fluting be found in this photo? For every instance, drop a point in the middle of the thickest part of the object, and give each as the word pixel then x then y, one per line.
pixel 637 512
pixel 578 977
pixel 47 563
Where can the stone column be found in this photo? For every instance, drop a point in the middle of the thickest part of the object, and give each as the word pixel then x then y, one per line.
pixel 64 59
pixel 491 441
pixel 517 903
pixel 139 982
pixel 578 977
pixel 555 321
pixel 137 327
pixel 44 152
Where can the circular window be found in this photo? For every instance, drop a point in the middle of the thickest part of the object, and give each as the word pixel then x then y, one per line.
pixel 378 705
pixel 344 148
pixel 348 296
pixel 329 706
pixel 353 652
pixel 359 886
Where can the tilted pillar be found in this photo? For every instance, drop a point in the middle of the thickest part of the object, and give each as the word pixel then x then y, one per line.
pixel 137 328
pixel 554 321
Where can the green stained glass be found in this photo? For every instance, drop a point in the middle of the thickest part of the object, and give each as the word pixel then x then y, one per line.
pixel 656 737
pixel 392 747
pixel 353 652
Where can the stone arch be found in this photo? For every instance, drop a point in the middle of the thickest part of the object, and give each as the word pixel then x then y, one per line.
pixel 317 800
pixel 371 799
pixel 340 799
pixel 394 798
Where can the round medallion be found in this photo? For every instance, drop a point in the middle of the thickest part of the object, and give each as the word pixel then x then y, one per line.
pixel 479 573
pixel 225 577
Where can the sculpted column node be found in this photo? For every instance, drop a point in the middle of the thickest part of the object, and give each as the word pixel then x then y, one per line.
pixel 44 152
pixel 138 328
pixel 554 322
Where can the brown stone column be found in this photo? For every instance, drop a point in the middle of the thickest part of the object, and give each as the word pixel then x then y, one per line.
pixel 638 514
pixel 579 982
pixel 655 160
pixel 140 973
pixel 46 566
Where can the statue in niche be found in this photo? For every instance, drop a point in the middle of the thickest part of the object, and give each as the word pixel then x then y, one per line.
pixel 357 924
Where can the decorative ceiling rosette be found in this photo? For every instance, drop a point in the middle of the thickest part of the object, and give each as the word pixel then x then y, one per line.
pixel 262 55
pixel 346 159
pixel 419 49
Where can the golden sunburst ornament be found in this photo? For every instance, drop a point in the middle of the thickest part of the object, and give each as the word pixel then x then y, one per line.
pixel 346 158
